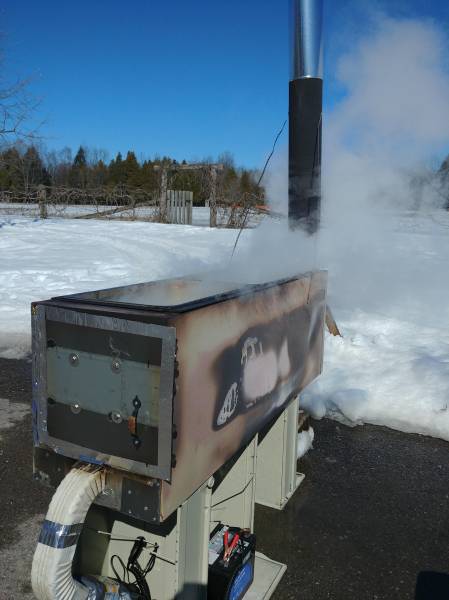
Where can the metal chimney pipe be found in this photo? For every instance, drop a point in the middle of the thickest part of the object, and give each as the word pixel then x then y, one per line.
pixel 305 109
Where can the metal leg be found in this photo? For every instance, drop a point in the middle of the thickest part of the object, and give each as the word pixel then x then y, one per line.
pixel 277 477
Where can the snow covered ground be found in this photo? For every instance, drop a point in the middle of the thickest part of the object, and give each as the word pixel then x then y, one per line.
pixel 391 366
pixel 385 371
pixel 41 259
pixel 389 291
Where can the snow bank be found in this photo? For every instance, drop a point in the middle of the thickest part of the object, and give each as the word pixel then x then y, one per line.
pixel 385 371
pixel 305 441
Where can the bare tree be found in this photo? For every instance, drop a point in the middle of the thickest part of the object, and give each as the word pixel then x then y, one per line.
pixel 17 109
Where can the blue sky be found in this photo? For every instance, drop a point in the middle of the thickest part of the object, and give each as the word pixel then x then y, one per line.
pixel 187 79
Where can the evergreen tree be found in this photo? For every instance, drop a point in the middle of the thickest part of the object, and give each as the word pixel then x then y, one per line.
pixel 22 168
pixel 99 174
pixel 78 174
pixel 116 170
pixel 80 158
pixel 131 171
pixel 150 178
pixel 246 185
pixel 10 170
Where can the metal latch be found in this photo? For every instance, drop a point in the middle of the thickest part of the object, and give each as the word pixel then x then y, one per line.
pixel 132 422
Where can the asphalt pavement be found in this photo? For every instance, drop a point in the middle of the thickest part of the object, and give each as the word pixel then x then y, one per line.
pixel 372 513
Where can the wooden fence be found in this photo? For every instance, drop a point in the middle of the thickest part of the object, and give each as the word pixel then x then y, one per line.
pixel 129 204
pixel 179 207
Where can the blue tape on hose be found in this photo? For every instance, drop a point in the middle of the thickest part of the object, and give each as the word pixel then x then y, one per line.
pixel 56 535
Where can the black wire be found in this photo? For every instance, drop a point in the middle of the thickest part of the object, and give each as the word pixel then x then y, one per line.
pixel 122 564
pixel 142 584
pixel 246 213
pixel 233 495
pixel 151 561
pixel 272 152
pixel 133 567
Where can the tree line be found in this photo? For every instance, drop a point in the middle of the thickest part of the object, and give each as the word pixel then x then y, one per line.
pixel 24 167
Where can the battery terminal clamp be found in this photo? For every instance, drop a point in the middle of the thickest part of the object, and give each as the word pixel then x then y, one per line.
pixel 229 547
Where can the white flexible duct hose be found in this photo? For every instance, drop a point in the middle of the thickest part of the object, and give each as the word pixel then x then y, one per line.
pixel 51 573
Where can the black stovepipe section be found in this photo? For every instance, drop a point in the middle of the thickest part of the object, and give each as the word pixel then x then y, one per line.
pixel 304 177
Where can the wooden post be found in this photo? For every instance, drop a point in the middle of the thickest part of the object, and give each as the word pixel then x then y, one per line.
pixel 189 208
pixel 213 196
pixel 163 198
pixel 171 215
pixel 42 199
pixel 184 208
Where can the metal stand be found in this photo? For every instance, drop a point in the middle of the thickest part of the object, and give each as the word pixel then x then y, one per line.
pixel 181 571
pixel 277 477
pixel 267 575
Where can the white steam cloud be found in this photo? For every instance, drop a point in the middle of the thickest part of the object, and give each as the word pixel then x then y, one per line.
pixel 378 142
pixel 398 91
pixel 384 235
pixel 393 119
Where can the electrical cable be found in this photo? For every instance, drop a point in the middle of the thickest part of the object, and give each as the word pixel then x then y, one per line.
pixel 233 495
pixel 151 561
pixel 125 539
pixel 141 582
pixel 134 568
pixel 248 208
pixel 122 564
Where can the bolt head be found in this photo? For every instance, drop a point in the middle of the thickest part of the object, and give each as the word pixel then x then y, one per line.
pixel 74 359
pixel 115 417
pixel 116 365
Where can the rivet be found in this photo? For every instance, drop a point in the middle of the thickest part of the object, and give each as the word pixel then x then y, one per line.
pixel 75 408
pixel 115 417
pixel 74 359
pixel 116 365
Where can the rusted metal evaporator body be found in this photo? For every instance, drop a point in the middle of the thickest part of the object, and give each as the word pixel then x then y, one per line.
pixel 164 382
